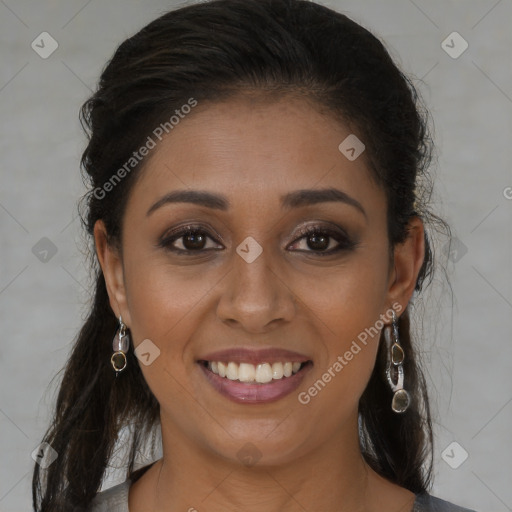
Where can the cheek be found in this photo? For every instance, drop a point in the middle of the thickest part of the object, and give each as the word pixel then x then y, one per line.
pixel 348 324
pixel 348 309
pixel 165 307
pixel 347 298
pixel 158 301
pixel 163 300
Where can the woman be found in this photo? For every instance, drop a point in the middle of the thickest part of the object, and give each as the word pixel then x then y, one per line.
pixel 257 175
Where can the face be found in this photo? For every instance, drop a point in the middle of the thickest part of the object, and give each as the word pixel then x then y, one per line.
pixel 255 276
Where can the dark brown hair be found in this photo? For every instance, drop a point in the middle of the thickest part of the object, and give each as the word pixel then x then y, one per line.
pixel 212 51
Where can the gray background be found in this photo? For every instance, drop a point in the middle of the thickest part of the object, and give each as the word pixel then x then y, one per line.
pixel 465 341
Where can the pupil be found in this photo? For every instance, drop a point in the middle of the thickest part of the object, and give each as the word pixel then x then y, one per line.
pixel 193 240
pixel 318 242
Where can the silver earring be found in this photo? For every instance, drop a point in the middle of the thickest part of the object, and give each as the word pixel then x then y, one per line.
pixel 396 356
pixel 120 345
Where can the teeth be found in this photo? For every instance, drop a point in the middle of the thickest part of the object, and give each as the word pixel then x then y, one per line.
pixel 277 371
pixel 263 373
pixel 232 371
pixel 247 372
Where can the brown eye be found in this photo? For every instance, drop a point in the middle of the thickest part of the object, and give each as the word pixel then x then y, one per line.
pixel 188 239
pixel 324 241
pixel 194 240
pixel 318 241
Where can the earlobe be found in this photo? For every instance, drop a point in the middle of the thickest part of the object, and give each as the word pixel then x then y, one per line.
pixel 112 267
pixel 408 259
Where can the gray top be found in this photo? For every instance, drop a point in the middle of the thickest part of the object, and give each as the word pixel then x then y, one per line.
pixel 115 499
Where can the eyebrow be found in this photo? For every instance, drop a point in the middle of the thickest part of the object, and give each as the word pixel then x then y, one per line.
pixel 296 199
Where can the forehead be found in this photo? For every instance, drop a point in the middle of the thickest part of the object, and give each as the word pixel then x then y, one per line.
pixel 255 150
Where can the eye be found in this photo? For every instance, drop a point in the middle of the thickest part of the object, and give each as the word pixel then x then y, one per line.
pixel 192 238
pixel 320 240
pixel 317 239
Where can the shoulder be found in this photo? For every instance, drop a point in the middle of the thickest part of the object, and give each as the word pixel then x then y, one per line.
pixel 427 503
pixel 114 499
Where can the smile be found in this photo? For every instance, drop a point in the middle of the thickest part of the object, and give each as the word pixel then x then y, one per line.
pixel 247 383
pixel 247 372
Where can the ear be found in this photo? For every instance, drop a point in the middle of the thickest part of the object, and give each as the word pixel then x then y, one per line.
pixel 113 272
pixel 407 260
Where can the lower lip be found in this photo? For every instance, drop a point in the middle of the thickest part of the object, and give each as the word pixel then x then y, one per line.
pixel 245 393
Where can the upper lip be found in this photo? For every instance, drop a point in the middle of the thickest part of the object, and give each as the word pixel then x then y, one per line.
pixel 255 356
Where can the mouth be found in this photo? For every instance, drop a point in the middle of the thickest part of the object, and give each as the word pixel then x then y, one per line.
pixel 254 383
pixel 262 373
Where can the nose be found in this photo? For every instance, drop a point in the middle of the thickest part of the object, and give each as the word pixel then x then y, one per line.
pixel 255 298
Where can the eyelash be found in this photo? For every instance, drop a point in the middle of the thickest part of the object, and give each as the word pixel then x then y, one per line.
pixel 345 243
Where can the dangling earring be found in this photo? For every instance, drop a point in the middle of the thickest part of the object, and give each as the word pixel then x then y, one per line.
pixel 120 345
pixel 401 398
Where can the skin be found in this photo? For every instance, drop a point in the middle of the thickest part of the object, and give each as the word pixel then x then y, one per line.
pixel 254 151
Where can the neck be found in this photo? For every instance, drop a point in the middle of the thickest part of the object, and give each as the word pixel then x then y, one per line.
pixel 333 478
